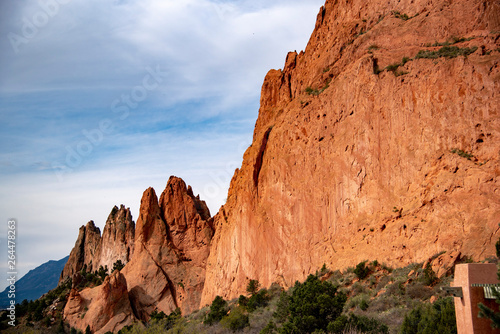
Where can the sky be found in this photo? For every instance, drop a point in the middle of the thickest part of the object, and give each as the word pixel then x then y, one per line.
pixel 101 99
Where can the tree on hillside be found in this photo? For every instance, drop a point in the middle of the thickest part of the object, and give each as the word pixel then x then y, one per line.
pixel 253 286
pixel 312 306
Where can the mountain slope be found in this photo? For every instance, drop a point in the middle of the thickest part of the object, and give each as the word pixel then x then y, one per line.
pixel 36 282
pixel 380 141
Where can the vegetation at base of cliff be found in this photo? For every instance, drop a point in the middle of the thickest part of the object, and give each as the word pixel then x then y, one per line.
pixel 367 298
pixel 431 318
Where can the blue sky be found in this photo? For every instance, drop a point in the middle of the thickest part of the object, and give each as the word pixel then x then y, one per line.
pixel 101 99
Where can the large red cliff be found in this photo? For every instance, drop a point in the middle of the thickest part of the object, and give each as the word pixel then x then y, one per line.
pixel 353 159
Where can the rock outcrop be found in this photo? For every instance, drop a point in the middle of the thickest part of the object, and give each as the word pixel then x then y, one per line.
pixel 104 308
pixel 374 143
pixel 117 242
pixel 89 239
pixel 92 251
pixel 172 243
pixel 165 267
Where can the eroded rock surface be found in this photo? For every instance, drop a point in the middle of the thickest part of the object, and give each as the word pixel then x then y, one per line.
pixel 353 159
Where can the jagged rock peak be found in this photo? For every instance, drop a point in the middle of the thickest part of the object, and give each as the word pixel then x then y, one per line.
pixel 92 251
pixel 117 238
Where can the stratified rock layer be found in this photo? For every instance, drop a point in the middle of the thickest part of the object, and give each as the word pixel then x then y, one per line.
pixel 351 161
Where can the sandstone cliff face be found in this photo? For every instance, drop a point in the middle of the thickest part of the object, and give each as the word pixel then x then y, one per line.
pixel 117 241
pixel 92 251
pixel 172 242
pixel 351 162
pixel 89 239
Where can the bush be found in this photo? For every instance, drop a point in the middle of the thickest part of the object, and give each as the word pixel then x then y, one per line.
pixel 446 51
pixel 236 320
pixel 282 311
pixel 118 265
pixel 436 318
pixel 361 270
pixel 259 299
pixel 218 310
pixel 312 306
pixel 253 286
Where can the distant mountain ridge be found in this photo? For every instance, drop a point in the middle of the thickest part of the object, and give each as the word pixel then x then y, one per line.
pixel 36 282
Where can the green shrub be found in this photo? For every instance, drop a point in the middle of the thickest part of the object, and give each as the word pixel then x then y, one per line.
pixel 431 318
pixel 429 278
pixel 269 329
pixel 461 153
pixel 218 310
pixel 398 15
pixel 282 308
pixel 242 300
pixel 118 265
pixel 361 270
pixel 312 306
pixel 446 51
pixel 253 286
pixel 259 299
pixel 236 320
pixel 363 304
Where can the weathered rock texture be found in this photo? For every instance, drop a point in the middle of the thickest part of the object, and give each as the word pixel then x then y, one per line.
pixel 92 251
pixel 117 242
pixel 172 243
pixel 104 308
pixel 165 266
pixel 370 164
pixel 89 239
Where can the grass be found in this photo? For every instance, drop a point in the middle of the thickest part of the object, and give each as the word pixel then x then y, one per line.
pixel 446 52
pixel 316 92
pixel 453 40
pixel 461 153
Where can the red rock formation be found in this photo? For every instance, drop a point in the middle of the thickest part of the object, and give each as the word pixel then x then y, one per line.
pixel 167 264
pixel 89 239
pixel 172 243
pixel 104 308
pixel 117 242
pixel 92 251
pixel 351 161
